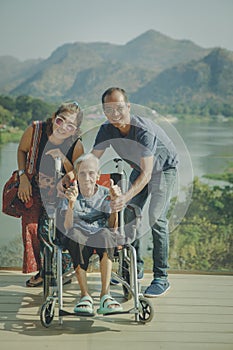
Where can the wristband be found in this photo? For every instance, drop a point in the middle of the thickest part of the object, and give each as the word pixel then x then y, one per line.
pixel 21 172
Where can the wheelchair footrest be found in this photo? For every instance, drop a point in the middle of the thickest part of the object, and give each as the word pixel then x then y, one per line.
pixel 115 313
pixel 79 314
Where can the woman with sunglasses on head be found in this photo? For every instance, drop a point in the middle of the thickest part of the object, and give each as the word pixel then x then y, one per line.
pixel 60 138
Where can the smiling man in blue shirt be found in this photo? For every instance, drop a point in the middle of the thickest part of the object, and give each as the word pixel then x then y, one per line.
pixel 153 157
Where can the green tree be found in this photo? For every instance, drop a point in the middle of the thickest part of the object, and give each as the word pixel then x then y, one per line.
pixel 204 239
pixel 7 103
pixel 6 116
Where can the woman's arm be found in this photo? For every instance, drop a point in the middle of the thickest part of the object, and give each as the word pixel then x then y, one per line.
pixel 78 151
pixel 25 188
pixel 69 216
pixel 24 148
pixel 71 194
pixel 113 221
pixel 69 176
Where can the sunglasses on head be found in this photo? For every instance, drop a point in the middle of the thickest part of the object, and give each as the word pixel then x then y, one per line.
pixel 71 104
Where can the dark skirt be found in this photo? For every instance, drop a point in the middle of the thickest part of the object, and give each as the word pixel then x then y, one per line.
pixel 82 246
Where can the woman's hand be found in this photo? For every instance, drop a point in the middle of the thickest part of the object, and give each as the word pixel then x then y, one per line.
pixel 25 189
pixel 67 179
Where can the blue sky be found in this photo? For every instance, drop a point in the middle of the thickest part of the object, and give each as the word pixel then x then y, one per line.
pixel 34 29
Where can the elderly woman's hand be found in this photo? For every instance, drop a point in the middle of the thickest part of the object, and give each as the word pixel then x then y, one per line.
pixel 72 192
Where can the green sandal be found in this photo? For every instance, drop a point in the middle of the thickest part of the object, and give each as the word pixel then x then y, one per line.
pixel 107 301
pixel 85 306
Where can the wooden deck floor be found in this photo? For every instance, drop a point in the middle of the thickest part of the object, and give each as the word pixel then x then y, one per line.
pixel 197 313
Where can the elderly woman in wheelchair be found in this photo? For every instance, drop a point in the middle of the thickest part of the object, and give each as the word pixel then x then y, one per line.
pixel 91 227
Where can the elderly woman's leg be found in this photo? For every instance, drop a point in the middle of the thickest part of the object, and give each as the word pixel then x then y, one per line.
pixel 105 270
pixel 108 304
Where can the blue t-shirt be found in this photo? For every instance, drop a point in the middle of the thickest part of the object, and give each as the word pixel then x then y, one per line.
pixel 144 139
pixel 90 213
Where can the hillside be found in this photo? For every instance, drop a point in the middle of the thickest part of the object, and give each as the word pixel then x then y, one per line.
pixel 132 65
pixel 172 76
pixel 13 72
pixel 91 82
pixel 158 51
pixel 197 81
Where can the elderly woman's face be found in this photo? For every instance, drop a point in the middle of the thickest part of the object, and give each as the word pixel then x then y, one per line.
pixel 87 175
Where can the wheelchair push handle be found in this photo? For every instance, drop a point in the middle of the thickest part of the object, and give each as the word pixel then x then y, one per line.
pixel 119 165
pixel 58 165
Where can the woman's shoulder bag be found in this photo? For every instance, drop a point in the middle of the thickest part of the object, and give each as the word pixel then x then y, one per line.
pixel 11 204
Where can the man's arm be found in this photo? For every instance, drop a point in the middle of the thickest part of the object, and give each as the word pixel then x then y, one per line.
pixel 146 166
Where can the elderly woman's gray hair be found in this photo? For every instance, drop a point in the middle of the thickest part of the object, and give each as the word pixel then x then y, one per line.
pixel 85 157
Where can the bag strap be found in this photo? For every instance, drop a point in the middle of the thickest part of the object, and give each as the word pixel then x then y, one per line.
pixel 34 149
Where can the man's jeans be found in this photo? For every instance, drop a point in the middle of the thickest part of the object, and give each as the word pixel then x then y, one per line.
pixel 159 189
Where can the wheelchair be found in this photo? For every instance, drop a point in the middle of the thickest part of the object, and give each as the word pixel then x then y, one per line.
pixel 125 259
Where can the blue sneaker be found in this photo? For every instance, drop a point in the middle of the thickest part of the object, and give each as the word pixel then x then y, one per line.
pixel 157 288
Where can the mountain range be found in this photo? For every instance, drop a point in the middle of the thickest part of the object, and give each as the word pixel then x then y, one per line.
pixel 152 68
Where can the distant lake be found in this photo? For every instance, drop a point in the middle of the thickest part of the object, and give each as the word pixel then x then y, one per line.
pixel 210 146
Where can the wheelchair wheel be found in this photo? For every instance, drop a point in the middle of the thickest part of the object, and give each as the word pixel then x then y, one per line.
pixel 146 313
pixel 47 313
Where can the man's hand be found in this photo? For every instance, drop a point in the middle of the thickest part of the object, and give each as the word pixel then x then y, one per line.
pixel 117 198
pixel 118 203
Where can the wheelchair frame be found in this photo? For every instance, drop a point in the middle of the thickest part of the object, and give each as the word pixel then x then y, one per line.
pixel 126 273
